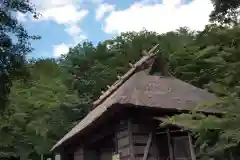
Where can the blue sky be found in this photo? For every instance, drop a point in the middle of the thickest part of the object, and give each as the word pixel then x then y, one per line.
pixel 65 23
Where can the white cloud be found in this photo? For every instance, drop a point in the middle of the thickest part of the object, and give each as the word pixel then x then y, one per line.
pixel 67 14
pixel 60 49
pixel 73 30
pixel 172 2
pixel 103 9
pixel 63 48
pixel 48 4
pixel 76 33
pixel 161 18
pixel 70 16
pixel 96 1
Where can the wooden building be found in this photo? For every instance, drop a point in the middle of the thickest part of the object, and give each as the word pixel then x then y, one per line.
pixel 125 123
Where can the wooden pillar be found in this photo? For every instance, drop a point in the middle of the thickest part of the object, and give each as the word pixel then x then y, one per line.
pixel 193 155
pixel 146 150
pixel 170 146
pixel 144 140
pixel 132 156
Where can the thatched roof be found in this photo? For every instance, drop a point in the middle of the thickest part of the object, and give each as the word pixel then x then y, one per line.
pixel 139 88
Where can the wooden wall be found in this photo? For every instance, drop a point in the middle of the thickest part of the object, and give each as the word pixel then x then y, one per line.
pixel 123 140
pixel 143 132
pixel 131 139
pixel 78 154
pixel 126 134
pixel 99 147
pixel 86 154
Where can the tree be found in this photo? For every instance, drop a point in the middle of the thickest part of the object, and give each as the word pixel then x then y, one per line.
pixel 225 11
pixel 14 44
pixel 214 65
pixel 40 111
pixel 91 68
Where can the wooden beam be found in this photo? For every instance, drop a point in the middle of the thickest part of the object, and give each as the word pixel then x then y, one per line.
pixel 146 150
pixel 175 131
pixel 170 146
pixel 114 87
pixel 130 135
pixel 193 155
pixel 131 65
pixel 153 49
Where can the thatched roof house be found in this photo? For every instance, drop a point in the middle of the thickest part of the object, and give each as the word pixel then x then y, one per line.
pixel 137 96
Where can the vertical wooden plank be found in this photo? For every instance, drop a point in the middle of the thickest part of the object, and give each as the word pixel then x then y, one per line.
pixel 115 141
pixel 146 150
pixel 170 146
pixel 58 157
pixel 193 155
pixel 131 139
pixel 78 154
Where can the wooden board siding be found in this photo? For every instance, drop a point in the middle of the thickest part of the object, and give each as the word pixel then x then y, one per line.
pixel 106 153
pixel 141 130
pixel 140 139
pixel 124 152
pixel 139 150
pixel 78 154
pixel 131 138
pixel 100 150
pixel 123 140
pixel 122 133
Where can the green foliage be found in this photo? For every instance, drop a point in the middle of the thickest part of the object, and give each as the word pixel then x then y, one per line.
pixel 41 110
pixel 225 11
pixel 93 68
pixel 58 93
pixel 207 59
pixel 216 66
pixel 14 44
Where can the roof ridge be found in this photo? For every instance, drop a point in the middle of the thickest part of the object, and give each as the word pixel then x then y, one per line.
pixel 127 75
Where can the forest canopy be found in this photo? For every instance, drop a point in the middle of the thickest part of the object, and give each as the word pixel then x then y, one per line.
pixel 41 99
